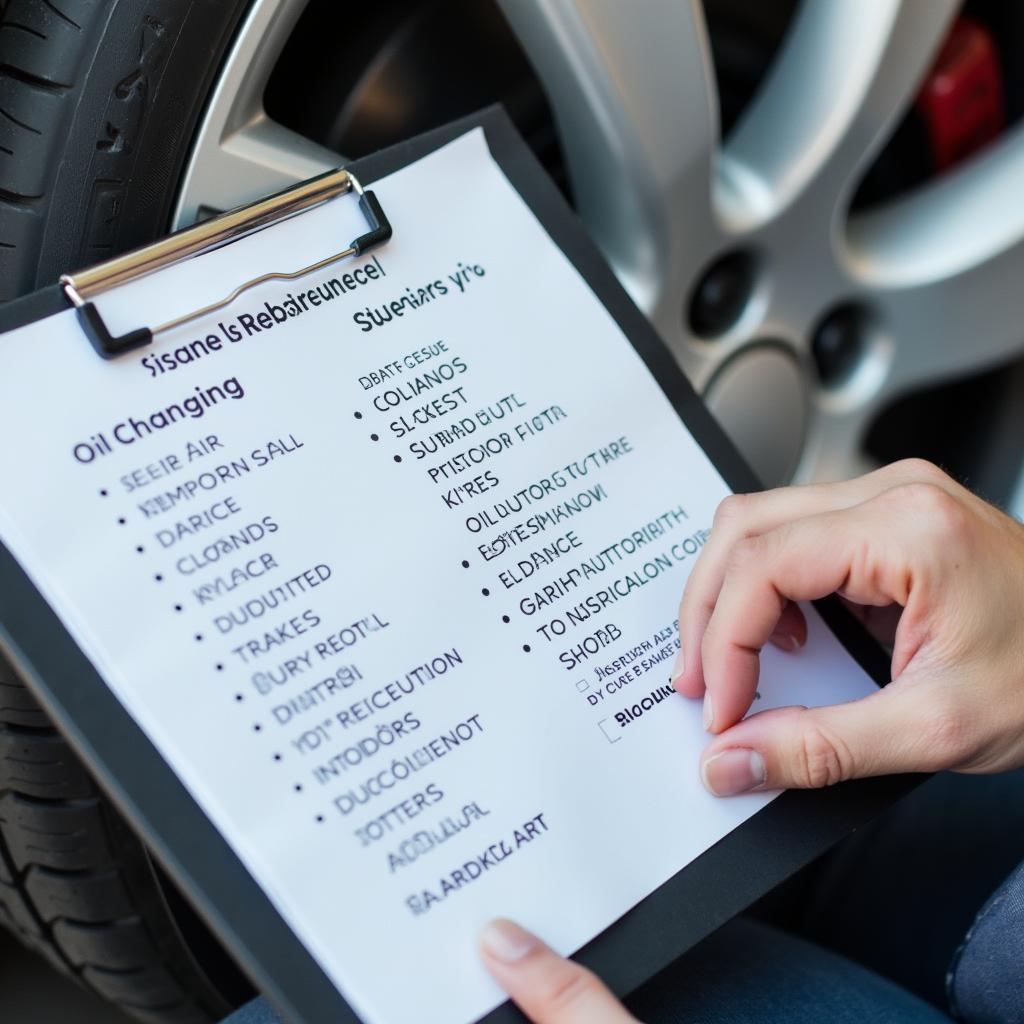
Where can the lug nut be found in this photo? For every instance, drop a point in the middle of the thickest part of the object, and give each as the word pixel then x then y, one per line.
pixel 837 343
pixel 721 294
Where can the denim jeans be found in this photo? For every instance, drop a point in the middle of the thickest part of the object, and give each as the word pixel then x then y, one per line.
pixel 750 973
pixel 986 978
pixel 870 933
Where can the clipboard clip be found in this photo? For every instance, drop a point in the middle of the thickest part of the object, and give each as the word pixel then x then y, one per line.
pixel 82 286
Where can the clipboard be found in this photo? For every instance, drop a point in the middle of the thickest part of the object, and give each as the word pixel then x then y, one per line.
pixel 748 862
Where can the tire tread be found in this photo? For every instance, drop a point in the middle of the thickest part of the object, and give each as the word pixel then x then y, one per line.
pixel 63 892
pixel 75 885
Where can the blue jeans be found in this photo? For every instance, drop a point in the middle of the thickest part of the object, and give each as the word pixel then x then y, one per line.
pixel 870 933
pixel 751 973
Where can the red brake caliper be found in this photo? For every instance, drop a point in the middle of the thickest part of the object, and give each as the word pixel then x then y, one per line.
pixel 961 100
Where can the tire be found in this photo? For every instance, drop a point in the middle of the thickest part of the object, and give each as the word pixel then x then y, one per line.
pixel 98 102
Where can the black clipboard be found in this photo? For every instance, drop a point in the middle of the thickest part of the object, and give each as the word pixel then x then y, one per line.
pixel 744 865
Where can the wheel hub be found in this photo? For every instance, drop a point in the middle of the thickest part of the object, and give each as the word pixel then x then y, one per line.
pixel 760 396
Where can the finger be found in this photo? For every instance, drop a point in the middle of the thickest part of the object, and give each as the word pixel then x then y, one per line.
pixel 790 632
pixel 807 559
pixel 548 988
pixel 808 748
pixel 747 515
pixel 737 517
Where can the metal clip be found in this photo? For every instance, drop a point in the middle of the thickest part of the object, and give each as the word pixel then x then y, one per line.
pixel 82 286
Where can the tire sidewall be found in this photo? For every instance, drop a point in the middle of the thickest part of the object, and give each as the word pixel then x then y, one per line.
pixel 109 96
pixel 141 97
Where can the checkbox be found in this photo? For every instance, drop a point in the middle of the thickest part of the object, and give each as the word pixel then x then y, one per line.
pixel 582 685
pixel 610 739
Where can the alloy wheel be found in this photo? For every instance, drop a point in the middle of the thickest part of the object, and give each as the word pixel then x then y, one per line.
pixel 798 319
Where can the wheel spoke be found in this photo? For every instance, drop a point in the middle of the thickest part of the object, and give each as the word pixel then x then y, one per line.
pixel 847 71
pixel 945 266
pixel 637 113
pixel 1015 506
pixel 259 159
pixel 834 449
pixel 240 154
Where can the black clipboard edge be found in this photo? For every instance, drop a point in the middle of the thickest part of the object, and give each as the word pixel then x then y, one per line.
pixel 745 864
pixel 29 308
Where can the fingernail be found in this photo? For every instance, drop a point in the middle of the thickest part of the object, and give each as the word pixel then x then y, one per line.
pixel 506 941
pixel 734 771
pixel 788 642
pixel 709 712
pixel 679 666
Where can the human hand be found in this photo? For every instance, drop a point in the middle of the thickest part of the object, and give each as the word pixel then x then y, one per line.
pixel 906 535
pixel 548 988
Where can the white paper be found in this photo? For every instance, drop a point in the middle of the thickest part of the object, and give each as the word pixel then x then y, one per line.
pixel 570 817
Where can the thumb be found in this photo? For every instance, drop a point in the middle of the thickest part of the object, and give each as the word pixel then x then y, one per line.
pixel 808 748
pixel 548 988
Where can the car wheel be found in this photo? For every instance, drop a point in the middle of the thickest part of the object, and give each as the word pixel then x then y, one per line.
pixel 800 313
